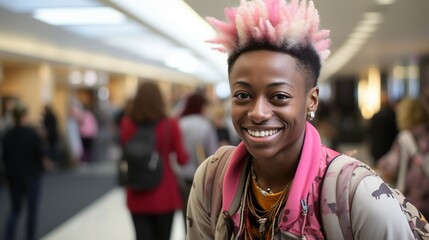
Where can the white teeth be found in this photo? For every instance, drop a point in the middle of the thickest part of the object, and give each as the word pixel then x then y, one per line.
pixel 262 133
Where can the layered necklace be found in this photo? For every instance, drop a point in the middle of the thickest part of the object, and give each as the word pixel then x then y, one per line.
pixel 266 212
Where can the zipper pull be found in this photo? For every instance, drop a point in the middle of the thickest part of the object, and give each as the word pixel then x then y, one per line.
pixel 304 206
pixel 229 224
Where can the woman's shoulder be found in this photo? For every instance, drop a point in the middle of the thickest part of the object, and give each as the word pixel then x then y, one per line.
pixel 126 121
pixel 194 118
pixel 168 122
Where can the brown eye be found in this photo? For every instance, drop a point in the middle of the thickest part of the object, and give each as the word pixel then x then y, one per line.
pixel 280 97
pixel 242 96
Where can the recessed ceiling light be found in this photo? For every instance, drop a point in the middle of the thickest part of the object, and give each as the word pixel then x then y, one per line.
pixel 90 78
pixel 75 77
pixel 182 59
pixel 79 16
pixel 384 2
pixel 372 18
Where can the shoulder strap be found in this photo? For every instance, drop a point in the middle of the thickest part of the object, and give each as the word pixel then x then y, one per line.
pixel 213 183
pixel 416 220
pixel 342 177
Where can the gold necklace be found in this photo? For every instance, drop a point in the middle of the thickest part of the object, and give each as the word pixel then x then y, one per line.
pixel 265 218
pixel 262 191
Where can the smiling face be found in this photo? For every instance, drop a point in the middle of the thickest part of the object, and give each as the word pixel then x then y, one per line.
pixel 270 103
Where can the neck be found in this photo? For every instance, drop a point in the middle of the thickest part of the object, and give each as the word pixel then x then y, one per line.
pixel 274 176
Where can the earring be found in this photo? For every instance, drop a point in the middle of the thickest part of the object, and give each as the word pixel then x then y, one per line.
pixel 310 115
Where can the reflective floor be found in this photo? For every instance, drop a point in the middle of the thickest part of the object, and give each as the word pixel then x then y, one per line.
pixel 107 218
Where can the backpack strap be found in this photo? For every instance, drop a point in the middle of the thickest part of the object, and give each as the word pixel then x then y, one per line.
pixel 342 177
pixel 213 182
pixel 416 220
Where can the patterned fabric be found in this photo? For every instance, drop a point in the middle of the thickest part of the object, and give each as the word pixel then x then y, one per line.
pixel 350 185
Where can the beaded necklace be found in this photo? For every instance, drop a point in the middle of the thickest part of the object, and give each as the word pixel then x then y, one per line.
pixel 265 217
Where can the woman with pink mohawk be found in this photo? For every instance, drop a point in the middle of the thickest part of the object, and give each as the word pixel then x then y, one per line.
pixel 271 186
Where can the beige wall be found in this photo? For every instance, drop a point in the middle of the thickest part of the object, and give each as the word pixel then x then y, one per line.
pixel 60 105
pixel 35 86
pixel 117 89
pixel 32 85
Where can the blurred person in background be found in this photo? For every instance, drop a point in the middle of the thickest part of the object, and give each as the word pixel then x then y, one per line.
pixel 74 142
pixel 6 121
pixel 200 139
pixel 382 129
pixel 152 211
pixel 406 165
pixel 23 158
pixel 50 125
pixel 234 137
pixel 119 114
pixel 88 130
pixel 327 130
pixel 218 119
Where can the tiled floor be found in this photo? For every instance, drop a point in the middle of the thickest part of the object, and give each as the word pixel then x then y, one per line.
pixel 106 219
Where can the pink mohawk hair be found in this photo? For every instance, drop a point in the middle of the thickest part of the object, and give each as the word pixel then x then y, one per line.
pixel 273 21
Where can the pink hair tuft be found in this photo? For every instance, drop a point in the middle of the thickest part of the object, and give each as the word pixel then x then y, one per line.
pixel 275 21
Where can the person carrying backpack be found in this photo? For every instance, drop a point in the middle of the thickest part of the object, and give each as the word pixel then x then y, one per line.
pixel 152 207
pixel 271 185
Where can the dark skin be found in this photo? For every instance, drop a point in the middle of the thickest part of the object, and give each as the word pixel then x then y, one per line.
pixel 270 105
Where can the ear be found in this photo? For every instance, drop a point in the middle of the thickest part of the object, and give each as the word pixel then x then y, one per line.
pixel 313 99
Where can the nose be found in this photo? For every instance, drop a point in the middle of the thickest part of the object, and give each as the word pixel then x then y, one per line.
pixel 259 111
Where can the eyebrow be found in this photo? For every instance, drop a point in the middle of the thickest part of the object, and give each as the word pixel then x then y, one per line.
pixel 270 85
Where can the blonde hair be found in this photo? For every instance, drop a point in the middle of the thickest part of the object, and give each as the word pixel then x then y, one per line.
pixel 409 113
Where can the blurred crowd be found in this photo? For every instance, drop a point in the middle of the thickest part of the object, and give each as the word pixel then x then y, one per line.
pixel 30 149
pixel 396 139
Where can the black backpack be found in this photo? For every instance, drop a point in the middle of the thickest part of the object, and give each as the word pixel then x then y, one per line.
pixel 144 165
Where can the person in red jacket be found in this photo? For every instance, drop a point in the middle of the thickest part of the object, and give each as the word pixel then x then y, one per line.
pixel 152 211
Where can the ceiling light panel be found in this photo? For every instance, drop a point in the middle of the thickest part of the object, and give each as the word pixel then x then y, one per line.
pixel 147 46
pixel 127 29
pixel 29 6
pixel 182 59
pixel 183 24
pixel 384 2
pixel 79 16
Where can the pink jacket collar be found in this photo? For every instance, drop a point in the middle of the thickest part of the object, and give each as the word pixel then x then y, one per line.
pixel 306 173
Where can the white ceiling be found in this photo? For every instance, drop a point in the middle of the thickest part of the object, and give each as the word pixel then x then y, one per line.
pixel 144 44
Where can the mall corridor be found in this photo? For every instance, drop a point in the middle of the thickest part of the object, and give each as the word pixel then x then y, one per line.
pixel 72 70
pixel 84 203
